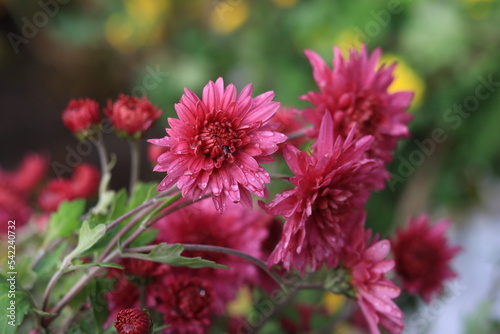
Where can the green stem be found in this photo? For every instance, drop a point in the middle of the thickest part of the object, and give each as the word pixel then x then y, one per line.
pixel 298 134
pixel 85 279
pixel 144 205
pixel 134 164
pixel 143 211
pixel 58 274
pixel 105 167
pixel 217 249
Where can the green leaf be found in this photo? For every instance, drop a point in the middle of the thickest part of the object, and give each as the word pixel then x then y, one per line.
pixel 15 298
pixel 66 220
pixel 145 238
pixel 98 304
pixel 95 264
pixel 25 276
pixel 43 313
pixel 142 192
pixel 86 239
pixel 171 255
pixel 50 261
pixel 119 206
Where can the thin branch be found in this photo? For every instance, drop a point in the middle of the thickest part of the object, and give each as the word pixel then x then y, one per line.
pixel 217 249
pixel 134 164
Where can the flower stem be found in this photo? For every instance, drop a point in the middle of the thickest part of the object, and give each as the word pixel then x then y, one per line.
pixel 85 279
pixel 298 134
pixel 134 164
pixel 105 167
pixel 217 249
pixel 152 204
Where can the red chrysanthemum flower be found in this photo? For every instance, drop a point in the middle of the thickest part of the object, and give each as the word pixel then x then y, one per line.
pixel 85 181
pixel 132 116
pixel 187 303
pixel 374 293
pixel 133 321
pixel 237 228
pixel 143 268
pixel 13 206
pixel 83 184
pixel 81 115
pixel 17 186
pixel 355 93
pixel 217 144
pixel 331 187
pixel 29 174
pixel 423 256
pixel 54 193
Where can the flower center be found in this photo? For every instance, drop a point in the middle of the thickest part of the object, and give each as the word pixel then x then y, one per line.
pixel 365 113
pixel 219 138
pixel 417 261
pixel 192 300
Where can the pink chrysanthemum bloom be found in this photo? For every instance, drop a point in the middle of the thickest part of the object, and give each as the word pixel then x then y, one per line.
pixel 366 265
pixel 331 187
pixel 423 256
pixel 355 93
pixel 217 144
pixel 237 228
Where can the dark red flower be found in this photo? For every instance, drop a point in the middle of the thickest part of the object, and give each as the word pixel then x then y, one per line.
pixel 187 303
pixel 237 228
pixel 143 268
pixel 133 321
pixel 132 116
pixel 423 256
pixel 81 115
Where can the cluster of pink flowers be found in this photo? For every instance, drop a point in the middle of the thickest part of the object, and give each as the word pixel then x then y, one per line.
pixel 219 142
pixel 188 298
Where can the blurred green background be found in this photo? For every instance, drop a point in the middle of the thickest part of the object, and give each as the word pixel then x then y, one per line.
pixel 53 51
